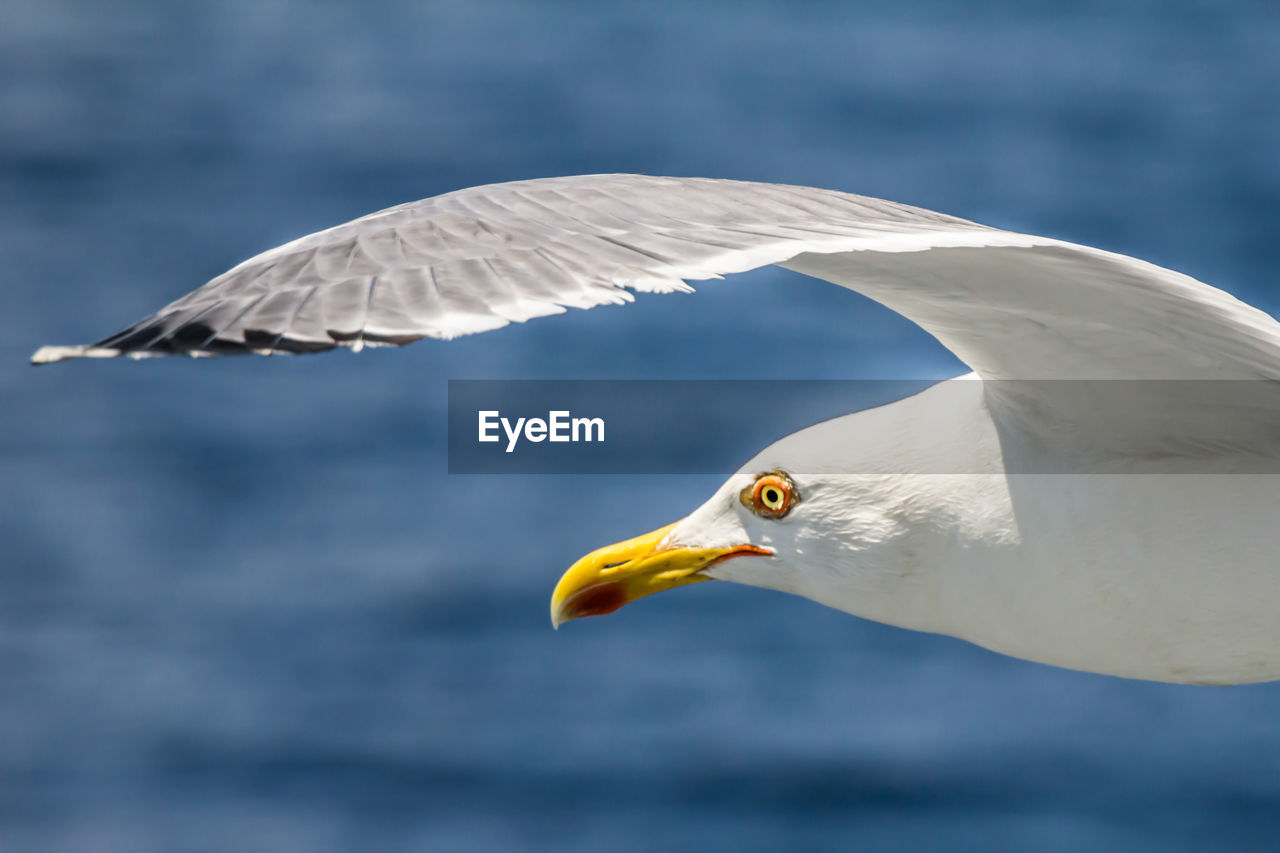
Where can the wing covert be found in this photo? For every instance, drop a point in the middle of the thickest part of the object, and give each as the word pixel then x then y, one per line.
pixel 479 258
pixel 1010 305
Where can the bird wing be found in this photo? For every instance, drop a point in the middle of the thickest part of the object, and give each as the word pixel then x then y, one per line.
pixel 1012 306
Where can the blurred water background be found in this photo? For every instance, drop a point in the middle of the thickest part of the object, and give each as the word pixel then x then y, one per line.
pixel 242 605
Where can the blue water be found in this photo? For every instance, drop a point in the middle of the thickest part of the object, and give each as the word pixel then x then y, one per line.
pixel 244 608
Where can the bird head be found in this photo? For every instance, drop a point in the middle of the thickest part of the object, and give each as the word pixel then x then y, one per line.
pixel 816 514
pixel 697 548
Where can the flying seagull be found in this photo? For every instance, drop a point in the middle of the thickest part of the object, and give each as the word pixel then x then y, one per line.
pixel 1122 522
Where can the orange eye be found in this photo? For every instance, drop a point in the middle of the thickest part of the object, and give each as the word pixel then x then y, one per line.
pixel 771 495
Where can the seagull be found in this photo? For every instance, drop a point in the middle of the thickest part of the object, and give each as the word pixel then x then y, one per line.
pixel 1099 493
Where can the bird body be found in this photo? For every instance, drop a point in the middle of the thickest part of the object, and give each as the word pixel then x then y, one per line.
pixel 1100 493
pixel 1166 576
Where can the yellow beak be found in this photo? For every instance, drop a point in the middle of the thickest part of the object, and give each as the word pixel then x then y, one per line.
pixel 615 575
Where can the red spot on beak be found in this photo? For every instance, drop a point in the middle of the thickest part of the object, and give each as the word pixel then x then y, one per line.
pixel 596 600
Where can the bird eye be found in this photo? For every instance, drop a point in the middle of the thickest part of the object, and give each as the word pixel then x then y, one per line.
pixel 771 495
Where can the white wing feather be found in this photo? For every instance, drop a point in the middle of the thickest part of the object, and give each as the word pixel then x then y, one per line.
pixel 1012 306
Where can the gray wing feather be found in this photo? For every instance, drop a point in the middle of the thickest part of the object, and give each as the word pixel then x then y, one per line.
pixel 479 258
pixel 1010 305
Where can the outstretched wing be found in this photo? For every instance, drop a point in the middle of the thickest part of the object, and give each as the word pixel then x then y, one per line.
pixel 479 258
pixel 1012 306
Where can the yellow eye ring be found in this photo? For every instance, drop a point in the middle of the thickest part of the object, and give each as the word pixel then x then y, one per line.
pixel 771 495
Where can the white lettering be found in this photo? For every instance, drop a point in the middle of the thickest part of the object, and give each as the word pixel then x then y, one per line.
pixel 587 424
pixel 513 435
pixel 559 425
pixel 487 423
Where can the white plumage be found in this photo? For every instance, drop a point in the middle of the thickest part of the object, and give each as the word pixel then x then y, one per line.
pixel 1122 522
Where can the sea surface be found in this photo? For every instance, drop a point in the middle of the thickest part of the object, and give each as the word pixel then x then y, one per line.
pixel 243 605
